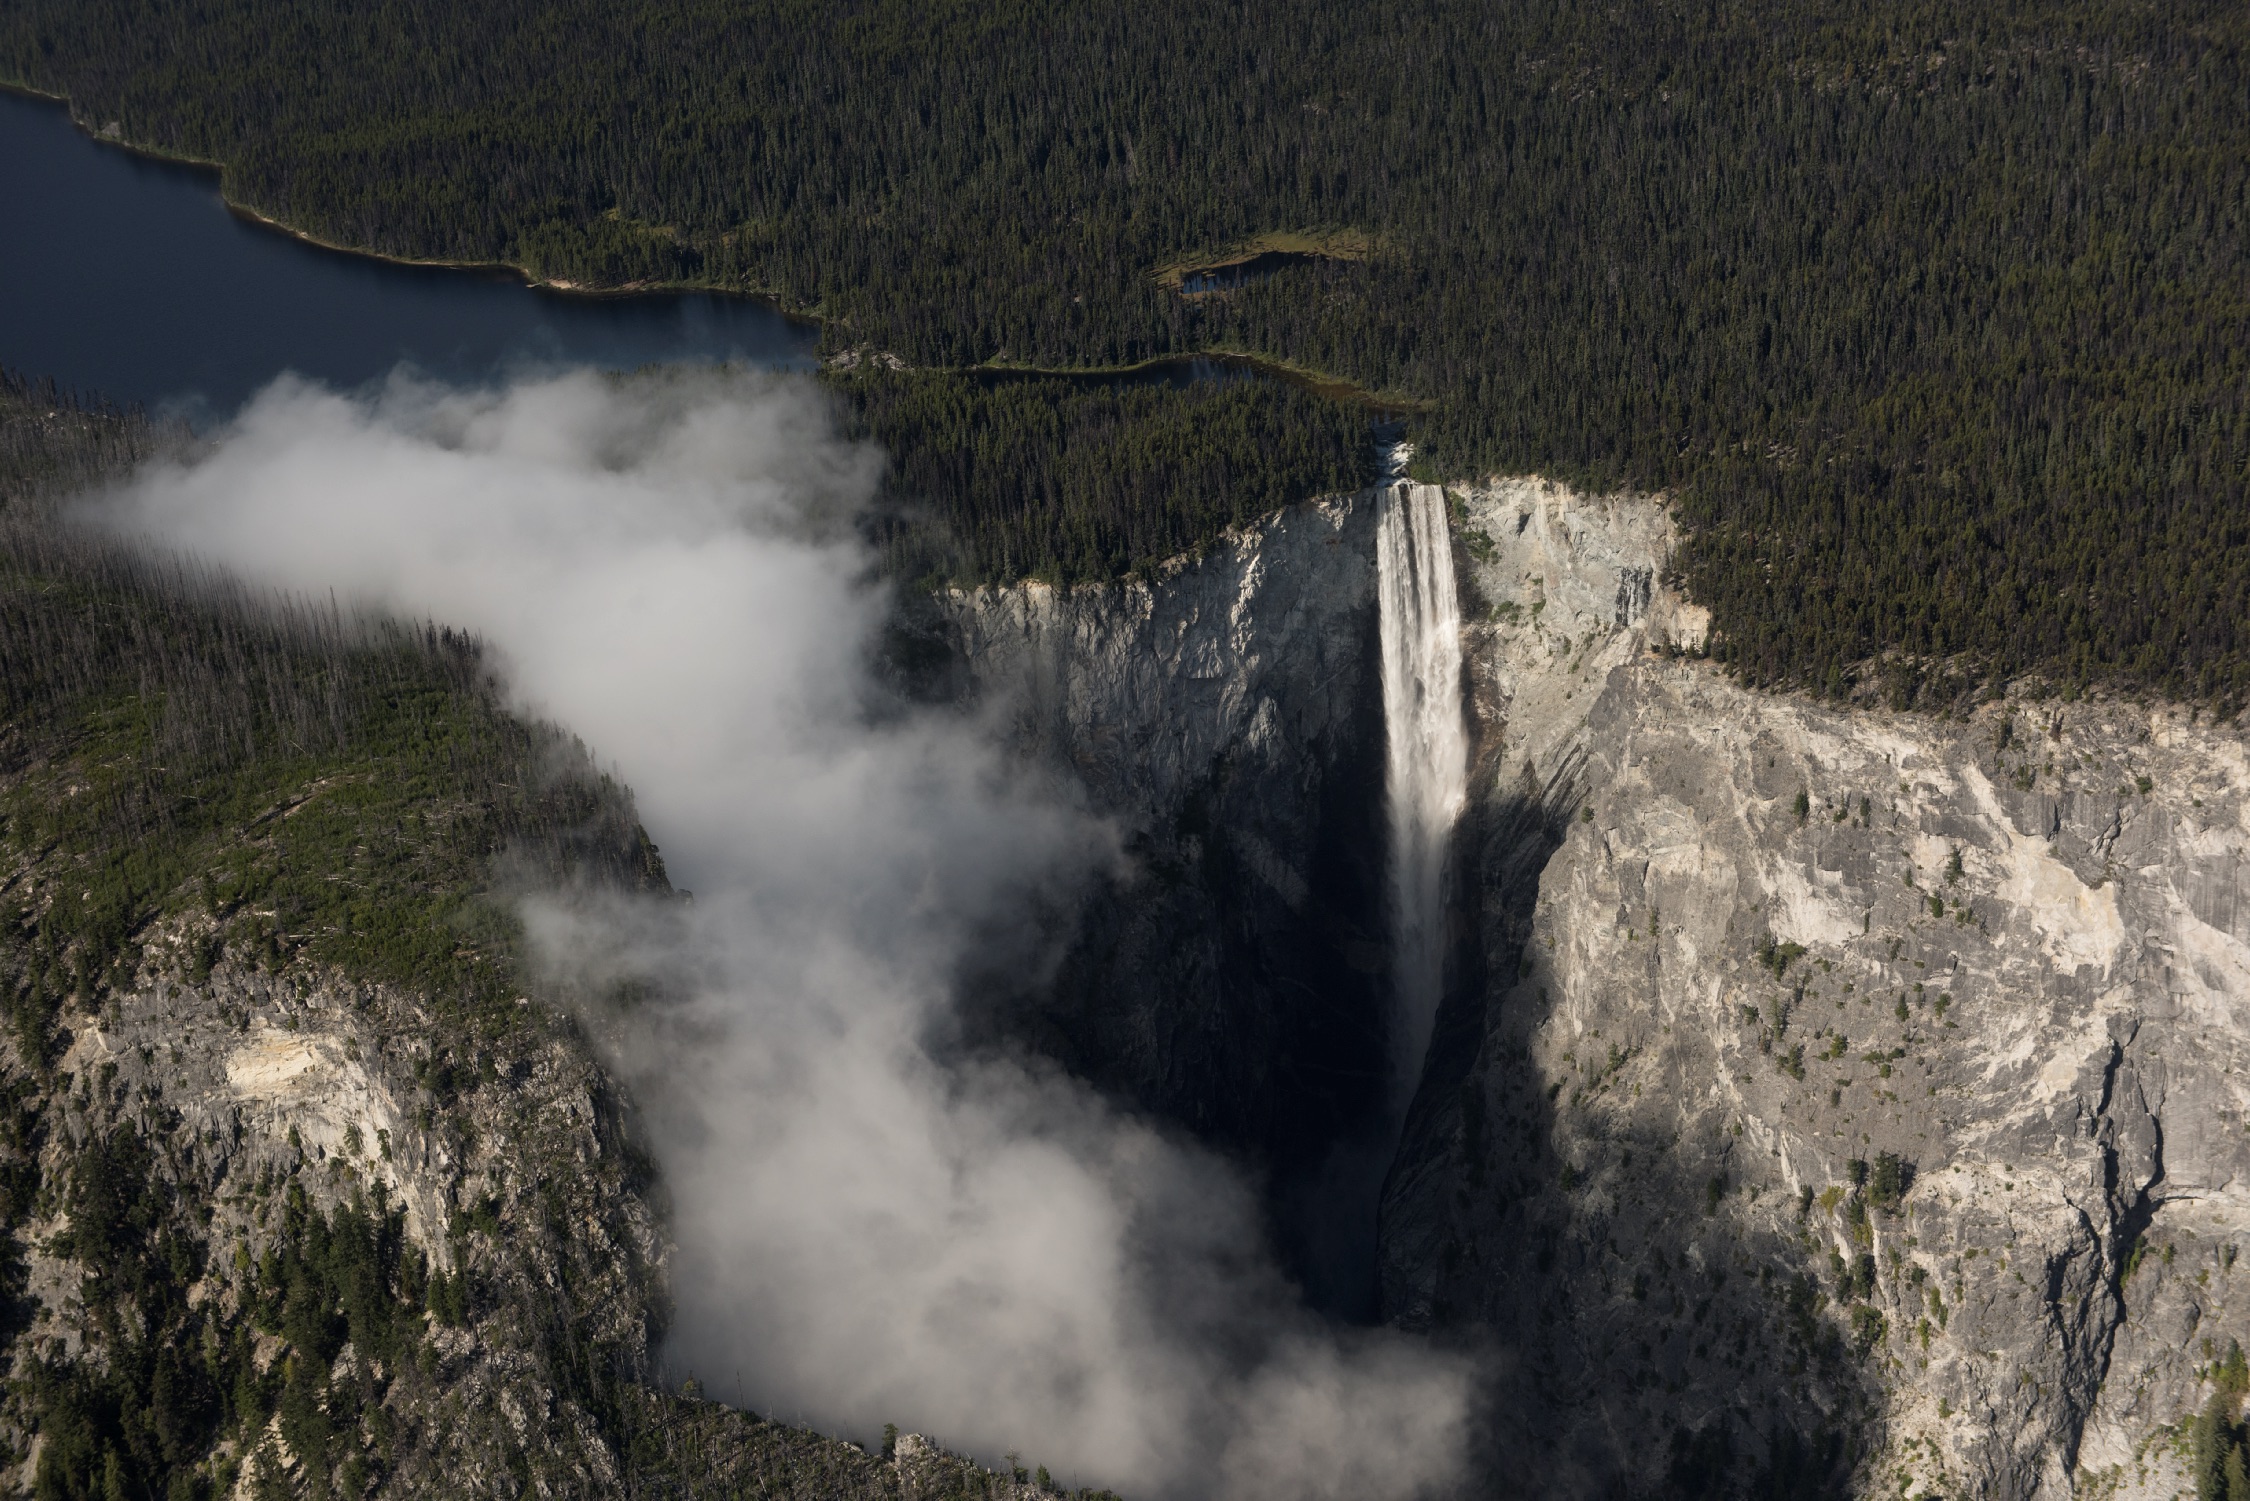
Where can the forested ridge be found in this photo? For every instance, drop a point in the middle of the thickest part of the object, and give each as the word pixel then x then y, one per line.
pixel 1935 319
pixel 323 801
pixel 322 793
pixel 152 711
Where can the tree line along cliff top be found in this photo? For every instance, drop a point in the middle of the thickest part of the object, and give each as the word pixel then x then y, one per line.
pixel 208 794
pixel 1933 320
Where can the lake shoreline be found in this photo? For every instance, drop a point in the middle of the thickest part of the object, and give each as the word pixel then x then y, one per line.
pixel 522 275
pixel 1319 382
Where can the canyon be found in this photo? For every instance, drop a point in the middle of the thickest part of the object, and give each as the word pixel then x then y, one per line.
pixel 1237 956
pixel 1822 1097
pixel 1816 1099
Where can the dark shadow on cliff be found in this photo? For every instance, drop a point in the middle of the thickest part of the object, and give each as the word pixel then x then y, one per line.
pixel 1231 979
pixel 1637 1346
pixel 1641 1341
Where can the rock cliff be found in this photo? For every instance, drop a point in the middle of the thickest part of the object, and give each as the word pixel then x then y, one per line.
pixel 1227 717
pixel 217 1146
pixel 1824 1099
pixel 262 1102
pixel 1858 1093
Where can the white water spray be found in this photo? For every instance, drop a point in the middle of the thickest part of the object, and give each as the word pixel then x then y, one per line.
pixel 1427 775
pixel 868 1230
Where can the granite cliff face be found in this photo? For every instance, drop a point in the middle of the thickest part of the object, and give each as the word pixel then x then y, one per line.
pixel 1227 717
pixel 1866 1077
pixel 291 1231
pixel 261 1098
pixel 1824 1099
pixel 260 1112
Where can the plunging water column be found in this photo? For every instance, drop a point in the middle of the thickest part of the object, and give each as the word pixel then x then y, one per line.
pixel 1426 780
pixel 1424 788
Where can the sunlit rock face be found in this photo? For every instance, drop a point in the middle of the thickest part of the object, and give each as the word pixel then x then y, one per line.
pixel 263 1096
pixel 1822 1098
pixel 1726 953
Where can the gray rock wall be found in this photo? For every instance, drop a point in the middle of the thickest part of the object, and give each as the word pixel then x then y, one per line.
pixel 1227 717
pixel 514 1167
pixel 1825 1101
pixel 1768 940
pixel 248 1085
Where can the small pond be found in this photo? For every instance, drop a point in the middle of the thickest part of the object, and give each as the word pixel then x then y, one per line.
pixel 1240 273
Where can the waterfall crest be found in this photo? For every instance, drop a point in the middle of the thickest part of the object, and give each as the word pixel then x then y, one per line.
pixel 1426 781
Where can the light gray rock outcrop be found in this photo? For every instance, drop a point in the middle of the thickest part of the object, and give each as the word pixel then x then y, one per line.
pixel 1769 943
pixel 254 1089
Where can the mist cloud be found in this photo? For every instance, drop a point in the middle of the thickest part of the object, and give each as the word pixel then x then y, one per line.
pixel 870 1230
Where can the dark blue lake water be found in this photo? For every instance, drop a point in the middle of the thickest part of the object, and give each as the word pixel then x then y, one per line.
pixel 129 278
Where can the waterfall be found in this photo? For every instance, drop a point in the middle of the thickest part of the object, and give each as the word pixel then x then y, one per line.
pixel 1425 785
pixel 1426 780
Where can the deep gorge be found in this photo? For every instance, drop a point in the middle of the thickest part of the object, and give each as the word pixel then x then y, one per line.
pixel 1713 954
pixel 1815 1096
pixel 1425 752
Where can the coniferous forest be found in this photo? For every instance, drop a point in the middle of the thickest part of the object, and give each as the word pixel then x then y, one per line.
pixel 991 479
pixel 311 794
pixel 1934 319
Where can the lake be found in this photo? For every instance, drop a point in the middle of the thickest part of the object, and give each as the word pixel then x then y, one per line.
pixel 129 278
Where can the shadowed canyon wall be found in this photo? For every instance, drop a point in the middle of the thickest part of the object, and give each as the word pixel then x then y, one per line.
pixel 1232 978
pixel 1823 1100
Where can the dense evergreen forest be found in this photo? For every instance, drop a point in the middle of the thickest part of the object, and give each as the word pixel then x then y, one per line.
pixel 995 477
pixel 149 712
pixel 1935 318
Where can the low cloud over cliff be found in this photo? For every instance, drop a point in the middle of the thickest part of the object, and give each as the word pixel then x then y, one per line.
pixel 872 1227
